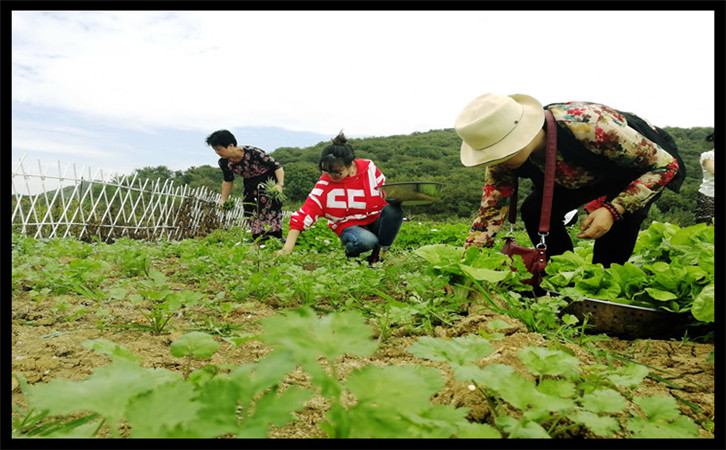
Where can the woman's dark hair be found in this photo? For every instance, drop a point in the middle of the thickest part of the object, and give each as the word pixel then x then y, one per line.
pixel 338 152
pixel 221 138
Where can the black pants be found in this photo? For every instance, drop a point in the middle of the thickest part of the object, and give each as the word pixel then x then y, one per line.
pixel 615 246
pixel 704 208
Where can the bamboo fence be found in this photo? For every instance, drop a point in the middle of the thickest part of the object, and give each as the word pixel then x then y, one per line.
pixel 101 206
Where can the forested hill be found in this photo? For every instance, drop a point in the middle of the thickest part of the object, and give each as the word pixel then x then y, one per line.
pixel 434 156
pixel 428 156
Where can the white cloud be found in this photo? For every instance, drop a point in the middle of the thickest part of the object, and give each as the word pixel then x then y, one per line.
pixel 370 72
pixel 55 139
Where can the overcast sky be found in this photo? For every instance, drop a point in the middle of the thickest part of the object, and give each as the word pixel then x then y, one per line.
pixel 109 88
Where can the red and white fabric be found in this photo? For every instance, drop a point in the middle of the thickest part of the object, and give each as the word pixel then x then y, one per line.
pixel 352 201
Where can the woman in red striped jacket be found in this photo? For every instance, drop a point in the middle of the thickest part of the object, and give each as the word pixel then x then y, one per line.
pixel 347 196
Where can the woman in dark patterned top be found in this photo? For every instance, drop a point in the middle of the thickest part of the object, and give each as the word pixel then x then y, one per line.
pixel 602 153
pixel 255 167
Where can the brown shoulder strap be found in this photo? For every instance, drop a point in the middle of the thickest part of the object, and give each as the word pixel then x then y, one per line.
pixel 549 180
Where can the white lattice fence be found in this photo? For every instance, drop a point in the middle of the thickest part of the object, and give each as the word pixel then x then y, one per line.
pixel 61 202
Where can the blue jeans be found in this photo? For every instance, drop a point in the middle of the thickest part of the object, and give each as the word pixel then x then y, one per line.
pixel 361 238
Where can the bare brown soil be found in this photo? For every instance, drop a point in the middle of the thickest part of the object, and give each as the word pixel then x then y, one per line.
pixel 46 346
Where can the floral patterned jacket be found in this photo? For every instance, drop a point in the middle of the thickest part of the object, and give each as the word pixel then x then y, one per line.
pixel 255 163
pixel 602 131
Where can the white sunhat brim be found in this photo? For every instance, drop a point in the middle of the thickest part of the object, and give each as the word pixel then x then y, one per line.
pixel 529 125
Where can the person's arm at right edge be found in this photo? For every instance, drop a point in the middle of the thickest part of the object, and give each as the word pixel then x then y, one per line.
pixel 708 164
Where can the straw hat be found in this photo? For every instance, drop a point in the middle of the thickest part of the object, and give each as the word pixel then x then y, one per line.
pixel 494 127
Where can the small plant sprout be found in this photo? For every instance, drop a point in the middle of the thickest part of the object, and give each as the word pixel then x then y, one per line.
pixel 158 304
pixel 194 345
pixel 227 205
pixel 271 192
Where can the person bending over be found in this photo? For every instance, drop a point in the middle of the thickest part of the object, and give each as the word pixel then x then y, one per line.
pixel 255 167
pixel 602 153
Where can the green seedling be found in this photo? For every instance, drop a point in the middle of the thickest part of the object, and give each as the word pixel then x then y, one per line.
pixel 156 403
pixel 158 304
pixel 63 311
pixel 558 397
pixel 134 263
pixel 193 345
pixel 383 407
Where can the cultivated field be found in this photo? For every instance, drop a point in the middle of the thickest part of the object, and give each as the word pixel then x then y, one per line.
pixel 216 337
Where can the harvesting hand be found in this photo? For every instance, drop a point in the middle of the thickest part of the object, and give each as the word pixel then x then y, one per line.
pixel 289 246
pixel 596 224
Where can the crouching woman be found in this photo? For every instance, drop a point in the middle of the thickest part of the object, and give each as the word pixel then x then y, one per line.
pixel 347 196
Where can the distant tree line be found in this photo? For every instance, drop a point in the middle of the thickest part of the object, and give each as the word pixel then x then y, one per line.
pixel 434 156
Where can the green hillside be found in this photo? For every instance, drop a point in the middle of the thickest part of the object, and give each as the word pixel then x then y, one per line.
pixel 434 156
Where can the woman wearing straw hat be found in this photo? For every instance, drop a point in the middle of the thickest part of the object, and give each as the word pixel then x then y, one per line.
pixel 601 152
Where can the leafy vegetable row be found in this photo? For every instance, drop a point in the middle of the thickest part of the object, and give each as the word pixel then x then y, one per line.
pixel 672 269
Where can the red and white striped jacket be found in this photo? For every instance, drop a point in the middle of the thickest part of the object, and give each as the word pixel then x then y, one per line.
pixel 352 201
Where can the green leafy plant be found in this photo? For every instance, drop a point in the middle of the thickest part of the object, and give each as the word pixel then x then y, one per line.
pixel 270 191
pixel 672 270
pixel 248 400
pixel 158 304
pixel 417 234
pixel 466 267
pixel 539 315
pixel 227 205
pixel 212 326
pixel 662 419
pixel 555 397
pixel 416 314
pixel 63 311
pixel 383 407
pixel 193 345
pixel 85 275
pixel 134 263
pixel 161 404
